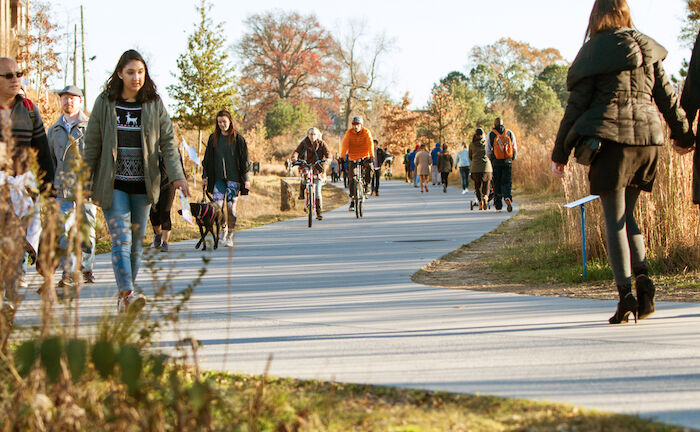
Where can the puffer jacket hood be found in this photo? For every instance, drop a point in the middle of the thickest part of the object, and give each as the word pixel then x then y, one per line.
pixel 612 51
pixel 618 86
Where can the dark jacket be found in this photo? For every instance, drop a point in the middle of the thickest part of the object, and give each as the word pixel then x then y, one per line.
pixel 690 101
pixel 313 152
pixel 210 162
pixel 28 131
pixel 617 82
pixel 445 162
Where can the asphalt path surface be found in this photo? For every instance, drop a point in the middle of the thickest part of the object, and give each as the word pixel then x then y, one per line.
pixel 336 302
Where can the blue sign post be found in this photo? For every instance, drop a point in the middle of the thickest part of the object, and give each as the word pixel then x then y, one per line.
pixel 582 204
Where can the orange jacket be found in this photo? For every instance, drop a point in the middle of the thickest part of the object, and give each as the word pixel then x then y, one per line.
pixel 357 145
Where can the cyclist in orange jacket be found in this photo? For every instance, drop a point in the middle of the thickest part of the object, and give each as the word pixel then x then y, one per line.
pixel 358 145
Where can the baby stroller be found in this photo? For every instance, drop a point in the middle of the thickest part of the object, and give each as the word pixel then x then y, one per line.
pixel 475 203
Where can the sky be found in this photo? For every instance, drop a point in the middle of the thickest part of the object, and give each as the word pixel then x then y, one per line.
pixel 432 38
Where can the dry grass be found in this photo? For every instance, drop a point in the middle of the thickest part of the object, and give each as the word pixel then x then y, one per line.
pixel 668 219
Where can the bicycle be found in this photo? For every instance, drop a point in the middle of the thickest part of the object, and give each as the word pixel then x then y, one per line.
pixel 310 182
pixel 360 195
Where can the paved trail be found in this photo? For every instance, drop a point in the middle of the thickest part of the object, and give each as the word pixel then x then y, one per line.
pixel 336 302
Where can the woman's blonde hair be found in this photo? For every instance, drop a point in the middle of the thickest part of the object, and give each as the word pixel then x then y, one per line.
pixel 315 129
pixel 608 15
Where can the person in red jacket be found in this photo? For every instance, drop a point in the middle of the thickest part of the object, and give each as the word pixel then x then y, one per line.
pixel 358 145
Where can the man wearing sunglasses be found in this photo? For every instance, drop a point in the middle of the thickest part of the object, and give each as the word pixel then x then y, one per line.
pixel 27 126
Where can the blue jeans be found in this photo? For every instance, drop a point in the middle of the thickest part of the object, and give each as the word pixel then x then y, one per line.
pixel 89 220
pixel 464 172
pixel 126 220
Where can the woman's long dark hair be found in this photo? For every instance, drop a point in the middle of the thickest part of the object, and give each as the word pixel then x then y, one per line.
pixel 115 85
pixel 231 131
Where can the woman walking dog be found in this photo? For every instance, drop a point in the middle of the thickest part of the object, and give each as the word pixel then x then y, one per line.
pixel 226 168
pixel 617 81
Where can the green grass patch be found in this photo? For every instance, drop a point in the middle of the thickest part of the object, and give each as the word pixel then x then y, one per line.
pixel 532 252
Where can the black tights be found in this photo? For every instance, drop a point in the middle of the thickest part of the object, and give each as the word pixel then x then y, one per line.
pixel 626 250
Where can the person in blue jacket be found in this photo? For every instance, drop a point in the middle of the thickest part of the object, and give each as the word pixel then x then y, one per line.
pixel 412 158
pixel 434 153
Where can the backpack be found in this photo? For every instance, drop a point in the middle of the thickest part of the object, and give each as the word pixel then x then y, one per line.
pixel 502 145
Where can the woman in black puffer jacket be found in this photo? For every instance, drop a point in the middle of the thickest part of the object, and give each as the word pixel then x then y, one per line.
pixel 617 82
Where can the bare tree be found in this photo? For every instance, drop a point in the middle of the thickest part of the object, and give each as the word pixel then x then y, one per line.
pixel 360 59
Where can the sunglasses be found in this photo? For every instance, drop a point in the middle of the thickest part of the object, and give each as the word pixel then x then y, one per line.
pixel 10 75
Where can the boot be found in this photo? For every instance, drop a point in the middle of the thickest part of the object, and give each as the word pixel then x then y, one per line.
pixel 627 304
pixel 645 295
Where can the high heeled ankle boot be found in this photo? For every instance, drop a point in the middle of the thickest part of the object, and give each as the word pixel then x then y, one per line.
pixel 626 306
pixel 645 295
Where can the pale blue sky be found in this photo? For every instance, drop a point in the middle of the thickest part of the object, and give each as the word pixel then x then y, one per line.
pixel 432 37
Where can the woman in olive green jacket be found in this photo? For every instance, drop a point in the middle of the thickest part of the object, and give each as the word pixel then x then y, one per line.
pixel 128 131
pixel 617 82
pixel 482 171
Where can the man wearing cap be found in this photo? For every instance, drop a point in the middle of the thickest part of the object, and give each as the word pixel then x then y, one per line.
pixel 67 142
pixel 357 145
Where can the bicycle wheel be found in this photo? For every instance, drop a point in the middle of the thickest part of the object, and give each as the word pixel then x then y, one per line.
pixel 359 207
pixel 310 205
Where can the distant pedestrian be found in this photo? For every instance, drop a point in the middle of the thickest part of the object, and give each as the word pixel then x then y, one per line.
pixel 128 130
pixel 463 163
pixel 379 158
pixel 226 170
pixel 412 159
pixel 617 86
pixel 407 165
pixel 434 153
pixel 503 149
pixel 423 163
pixel 481 169
pixel 335 169
pixel 67 142
pixel 445 166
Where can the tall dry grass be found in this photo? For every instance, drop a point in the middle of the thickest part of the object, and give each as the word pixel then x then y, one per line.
pixel 667 217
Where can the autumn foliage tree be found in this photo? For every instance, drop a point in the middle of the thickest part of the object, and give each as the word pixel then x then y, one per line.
pixel 37 54
pixel 286 55
pixel 400 126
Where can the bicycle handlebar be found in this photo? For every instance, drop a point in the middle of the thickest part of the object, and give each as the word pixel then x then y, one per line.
pixel 303 163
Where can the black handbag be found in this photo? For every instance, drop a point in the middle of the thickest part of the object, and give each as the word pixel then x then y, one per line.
pixel 587 149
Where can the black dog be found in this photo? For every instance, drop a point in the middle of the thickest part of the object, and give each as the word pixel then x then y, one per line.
pixel 208 216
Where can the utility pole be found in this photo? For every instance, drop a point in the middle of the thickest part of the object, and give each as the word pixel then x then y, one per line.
pixel 75 55
pixel 82 45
